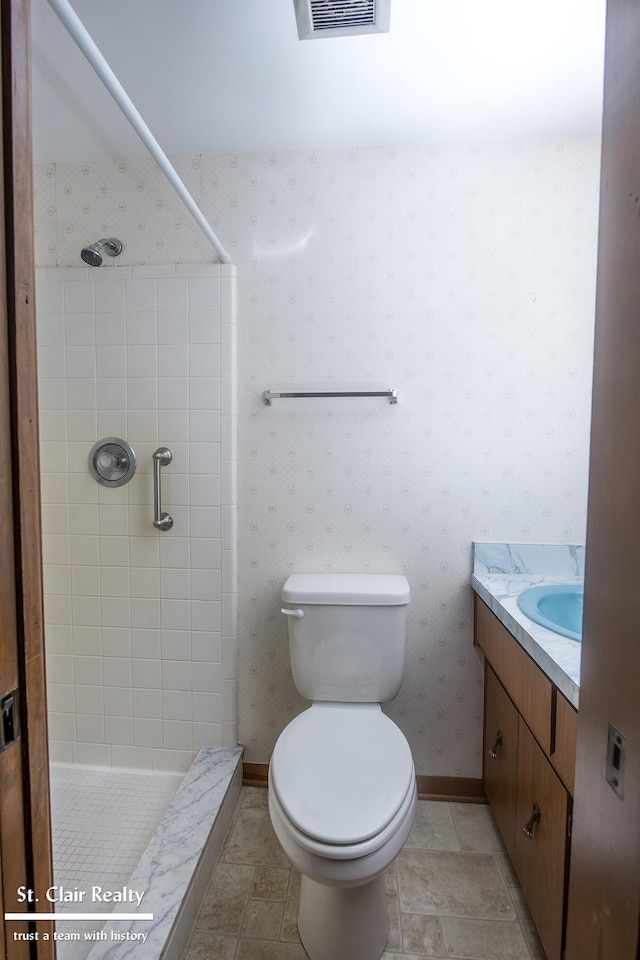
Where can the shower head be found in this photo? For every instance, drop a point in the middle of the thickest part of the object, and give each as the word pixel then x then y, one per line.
pixel 92 254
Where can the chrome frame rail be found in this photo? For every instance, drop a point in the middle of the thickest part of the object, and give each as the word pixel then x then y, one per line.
pixel 391 394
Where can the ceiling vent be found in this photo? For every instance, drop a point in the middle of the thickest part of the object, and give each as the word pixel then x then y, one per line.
pixel 341 18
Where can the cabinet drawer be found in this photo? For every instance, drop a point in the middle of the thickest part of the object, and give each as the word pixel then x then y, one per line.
pixel 523 680
pixel 500 756
pixel 566 735
pixel 540 861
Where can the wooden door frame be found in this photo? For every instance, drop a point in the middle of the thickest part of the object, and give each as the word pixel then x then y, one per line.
pixel 25 825
pixel 604 883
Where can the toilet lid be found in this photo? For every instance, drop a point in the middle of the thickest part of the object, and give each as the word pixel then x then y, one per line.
pixel 341 773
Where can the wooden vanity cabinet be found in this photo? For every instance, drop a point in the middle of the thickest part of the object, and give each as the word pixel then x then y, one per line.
pixel 529 756
pixel 500 756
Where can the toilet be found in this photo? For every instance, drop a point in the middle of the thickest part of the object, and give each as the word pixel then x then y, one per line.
pixel 342 786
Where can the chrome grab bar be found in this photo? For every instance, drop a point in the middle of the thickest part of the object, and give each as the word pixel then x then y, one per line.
pixel 161 458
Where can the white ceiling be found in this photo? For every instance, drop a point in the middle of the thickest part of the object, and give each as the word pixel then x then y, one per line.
pixel 231 76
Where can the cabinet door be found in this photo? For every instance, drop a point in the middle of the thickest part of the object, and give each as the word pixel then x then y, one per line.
pixel 540 860
pixel 500 756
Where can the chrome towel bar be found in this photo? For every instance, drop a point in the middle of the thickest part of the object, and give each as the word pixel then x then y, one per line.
pixel 391 395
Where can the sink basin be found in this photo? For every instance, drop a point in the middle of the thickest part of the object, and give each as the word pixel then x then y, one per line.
pixel 556 606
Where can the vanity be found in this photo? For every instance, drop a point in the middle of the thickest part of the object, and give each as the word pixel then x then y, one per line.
pixel 530 723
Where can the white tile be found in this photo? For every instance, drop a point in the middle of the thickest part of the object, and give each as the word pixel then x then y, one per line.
pixel 116 642
pixel 142 393
pixel 147 732
pixel 140 294
pixel 173 294
pixel 83 488
pixel 204 360
pixel 176 645
pixel 176 705
pixel 115 611
pixel 110 296
pixel 89 699
pixel 79 296
pixel 118 701
pixel 145 644
pixel 206 615
pixel 174 584
pixel 119 730
pixel 111 361
pixel 173 393
pixel 90 729
pixel 204 326
pixel 204 393
pixel 80 329
pixel 110 327
pixel 173 327
pixel 142 360
pixel 176 734
pixel 204 293
pixel 145 613
pixel 141 327
pixel 147 674
pixel 173 360
pixel 51 361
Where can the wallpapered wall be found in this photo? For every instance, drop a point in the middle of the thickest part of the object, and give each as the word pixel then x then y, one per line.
pixel 463 276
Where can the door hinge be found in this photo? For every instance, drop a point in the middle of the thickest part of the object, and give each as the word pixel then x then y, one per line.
pixel 569 825
pixel 9 720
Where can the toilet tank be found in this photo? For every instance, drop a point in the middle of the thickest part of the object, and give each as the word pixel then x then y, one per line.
pixel 347 635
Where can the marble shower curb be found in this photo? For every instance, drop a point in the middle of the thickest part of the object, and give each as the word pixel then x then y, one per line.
pixel 175 868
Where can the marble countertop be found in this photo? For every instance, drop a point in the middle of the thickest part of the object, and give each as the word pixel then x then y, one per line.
pixel 498 580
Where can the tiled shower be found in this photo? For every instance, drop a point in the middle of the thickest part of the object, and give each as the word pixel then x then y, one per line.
pixel 140 623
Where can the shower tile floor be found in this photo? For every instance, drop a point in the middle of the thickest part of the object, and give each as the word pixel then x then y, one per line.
pixel 451 892
pixel 102 821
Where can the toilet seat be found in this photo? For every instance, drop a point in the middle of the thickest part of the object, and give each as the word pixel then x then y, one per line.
pixel 342 775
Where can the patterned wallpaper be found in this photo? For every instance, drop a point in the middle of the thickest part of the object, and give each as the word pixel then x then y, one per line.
pixel 462 275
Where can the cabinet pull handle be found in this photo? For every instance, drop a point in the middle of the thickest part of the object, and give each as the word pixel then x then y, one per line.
pixel 493 751
pixel 534 818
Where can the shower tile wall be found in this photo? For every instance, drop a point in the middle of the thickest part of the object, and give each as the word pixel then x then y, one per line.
pixel 140 624
pixel 461 274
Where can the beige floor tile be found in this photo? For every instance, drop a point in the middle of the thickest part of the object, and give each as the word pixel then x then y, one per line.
pixel 290 919
pixel 256 798
pixel 476 828
pixel 208 946
pixel 508 871
pixel 421 934
pixel 270 950
pixel 408 956
pixel 452 884
pixel 483 940
pixel 533 940
pixel 225 900
pixel 262 918
pixel 394 940
pixel 271 883
pixel 433 828
pixel 253 841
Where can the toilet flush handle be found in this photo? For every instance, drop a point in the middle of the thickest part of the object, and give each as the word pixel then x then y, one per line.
pixel 298 613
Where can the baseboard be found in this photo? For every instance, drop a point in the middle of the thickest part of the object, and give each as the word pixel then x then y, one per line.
pixel 255 774
pixel 454 789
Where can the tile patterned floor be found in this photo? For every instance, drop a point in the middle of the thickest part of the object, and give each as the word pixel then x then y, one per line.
pixel 451 892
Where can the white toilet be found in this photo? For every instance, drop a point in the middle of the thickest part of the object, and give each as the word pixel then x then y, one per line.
pixel 342 792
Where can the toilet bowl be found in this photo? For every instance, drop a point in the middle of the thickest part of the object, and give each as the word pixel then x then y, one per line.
pixel 342 790
pixel 342 813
